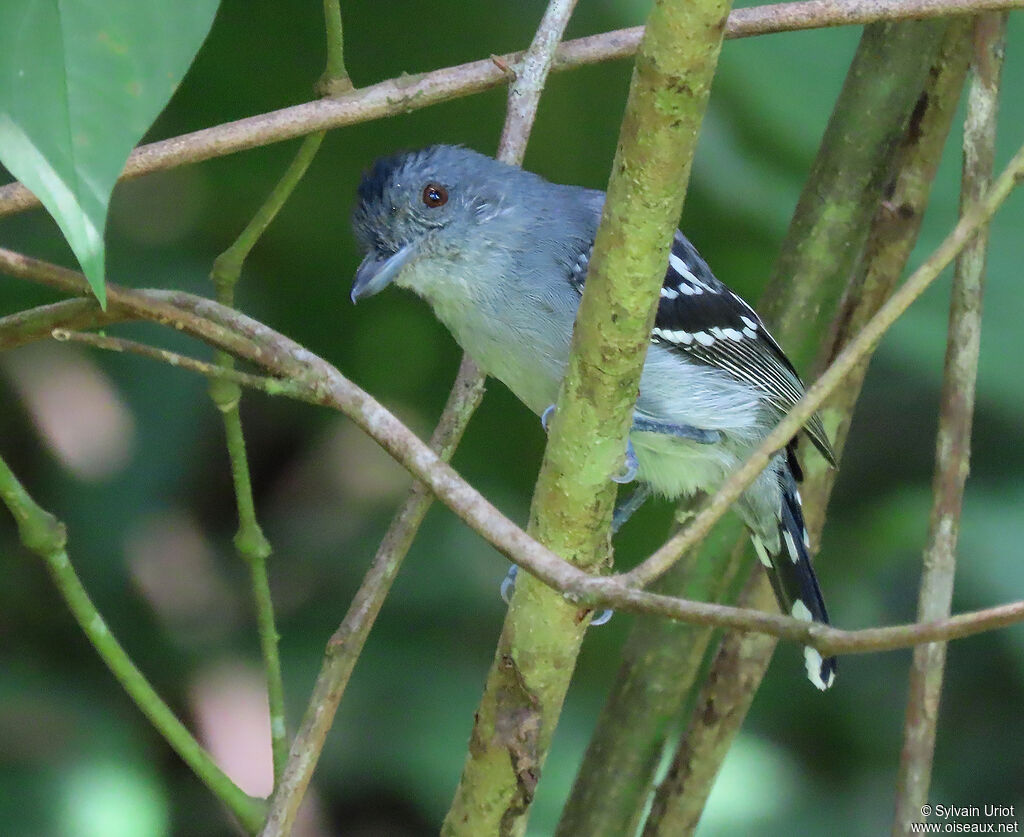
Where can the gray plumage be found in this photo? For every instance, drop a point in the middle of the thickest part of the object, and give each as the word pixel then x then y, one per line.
pixel 500 254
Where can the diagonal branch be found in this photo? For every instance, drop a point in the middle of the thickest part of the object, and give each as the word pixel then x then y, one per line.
pixel 46 536
pixel 224 328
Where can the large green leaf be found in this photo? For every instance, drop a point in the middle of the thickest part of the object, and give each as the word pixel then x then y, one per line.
pixel 80 83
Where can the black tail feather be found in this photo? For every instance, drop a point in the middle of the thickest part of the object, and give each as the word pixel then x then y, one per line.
pixel 792 577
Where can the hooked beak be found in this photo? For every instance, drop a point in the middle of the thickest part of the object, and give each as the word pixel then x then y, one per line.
pixel 376 273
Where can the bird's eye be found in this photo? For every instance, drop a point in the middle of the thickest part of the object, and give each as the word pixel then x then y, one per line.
pixel 435 195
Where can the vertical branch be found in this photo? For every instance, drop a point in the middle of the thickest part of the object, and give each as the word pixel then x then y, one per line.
pixel 250 542
pixel 347 643
pixel 41 533
pixel 660 663
pixel 953 442
pixel 915 146
pixel 335 80
pixel 573 500
pixel 722 704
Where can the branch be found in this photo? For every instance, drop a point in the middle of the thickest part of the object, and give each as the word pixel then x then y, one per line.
pixel 261 383
pixel 327 387
pixel 409 93
pixel 953 439
pixel 857 350
pixel 44 535
pixel 736 673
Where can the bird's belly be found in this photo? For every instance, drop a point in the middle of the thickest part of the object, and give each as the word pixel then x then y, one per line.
pixel 676 467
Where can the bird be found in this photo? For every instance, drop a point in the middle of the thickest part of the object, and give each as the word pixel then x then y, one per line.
pixel 501 254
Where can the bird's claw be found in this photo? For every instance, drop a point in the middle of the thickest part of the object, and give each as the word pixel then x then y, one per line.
pixel 508 586
pixel 545 417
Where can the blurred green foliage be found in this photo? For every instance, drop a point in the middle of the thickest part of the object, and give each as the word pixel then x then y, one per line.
pixel 151 533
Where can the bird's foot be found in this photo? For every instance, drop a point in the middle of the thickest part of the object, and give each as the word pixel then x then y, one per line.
pixel 508 586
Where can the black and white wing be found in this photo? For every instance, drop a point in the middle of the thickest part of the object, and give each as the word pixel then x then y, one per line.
pixel 701 317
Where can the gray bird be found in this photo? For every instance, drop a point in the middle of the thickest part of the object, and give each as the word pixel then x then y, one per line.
pixel 501 256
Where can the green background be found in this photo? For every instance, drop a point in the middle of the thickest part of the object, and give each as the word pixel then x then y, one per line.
pixel 77 758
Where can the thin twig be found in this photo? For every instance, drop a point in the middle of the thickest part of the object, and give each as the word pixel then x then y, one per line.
pixel 848 359
pixel 953 439
pixel 406 94
pixel 44 535
pixel 262 383
pixel 251 544
pixel 335 80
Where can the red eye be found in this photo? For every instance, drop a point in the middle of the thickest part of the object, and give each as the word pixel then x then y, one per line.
pixel 434 195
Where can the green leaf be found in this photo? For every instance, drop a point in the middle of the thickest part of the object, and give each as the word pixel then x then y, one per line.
pixel 80 83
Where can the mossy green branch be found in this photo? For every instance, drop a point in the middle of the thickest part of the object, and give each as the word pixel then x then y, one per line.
pixel 44 535
pixel 890 235
pixel 573 501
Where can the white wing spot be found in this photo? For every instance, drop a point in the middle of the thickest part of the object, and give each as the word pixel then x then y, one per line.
pixel 669 293
pixel 794 556
pixel 801 611
pixel 749 323
pixel 749 332
pixel 732 334
pixel 679 266
pixel 704 338
pixel 683 337
pixel 762 553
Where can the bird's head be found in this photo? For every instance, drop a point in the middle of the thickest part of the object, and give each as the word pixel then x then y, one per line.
pixel 419 205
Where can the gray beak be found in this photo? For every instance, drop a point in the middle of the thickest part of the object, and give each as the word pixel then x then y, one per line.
pixel 376 273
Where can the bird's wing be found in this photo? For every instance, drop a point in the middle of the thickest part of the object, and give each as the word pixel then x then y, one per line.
pixel 700 317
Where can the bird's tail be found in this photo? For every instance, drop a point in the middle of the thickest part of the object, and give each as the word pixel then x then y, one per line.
pixel 792 577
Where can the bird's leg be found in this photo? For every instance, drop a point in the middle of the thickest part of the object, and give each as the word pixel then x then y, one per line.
pixel 682 431
pixel 624 511
pixel 508 584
